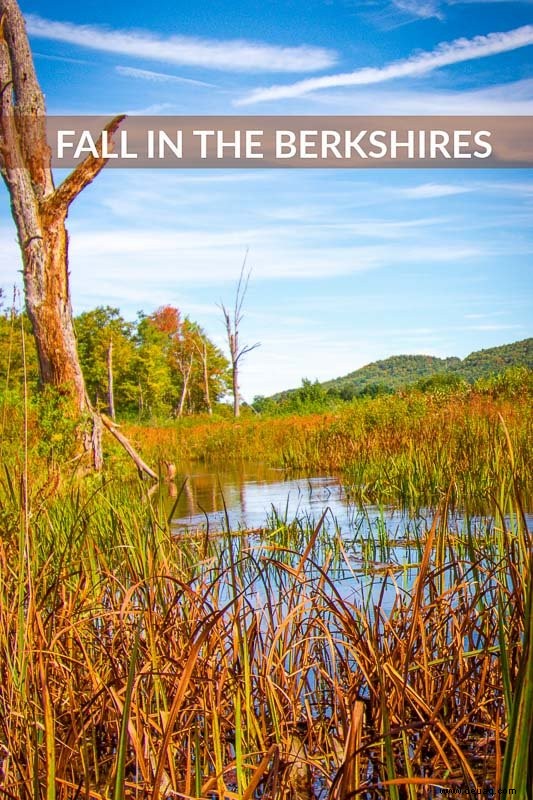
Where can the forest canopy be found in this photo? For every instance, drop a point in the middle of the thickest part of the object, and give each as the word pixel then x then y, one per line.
pixel 163 364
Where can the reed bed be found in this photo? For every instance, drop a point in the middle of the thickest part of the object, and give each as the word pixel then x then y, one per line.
pixel 410 451
pixel 135 663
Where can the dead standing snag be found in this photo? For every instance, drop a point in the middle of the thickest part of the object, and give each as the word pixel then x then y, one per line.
pixel 232 321
pixel 40 211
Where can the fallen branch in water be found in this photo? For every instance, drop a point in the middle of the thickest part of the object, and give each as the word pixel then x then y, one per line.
pixel 128 447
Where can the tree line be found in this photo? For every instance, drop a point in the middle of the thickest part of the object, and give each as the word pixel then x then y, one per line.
pixel 163 364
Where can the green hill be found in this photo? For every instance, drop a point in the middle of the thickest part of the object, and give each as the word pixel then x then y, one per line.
pixel 398 371
pixel 392 373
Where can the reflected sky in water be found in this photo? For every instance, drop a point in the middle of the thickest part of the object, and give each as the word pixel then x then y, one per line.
pixel 250 496
pixel 254 496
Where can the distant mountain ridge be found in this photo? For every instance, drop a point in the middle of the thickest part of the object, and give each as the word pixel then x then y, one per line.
pixel 398 371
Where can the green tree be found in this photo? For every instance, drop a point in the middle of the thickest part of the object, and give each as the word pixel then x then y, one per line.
pixel 18 355
pixel 190 371
pixel 106 350
pixel 156 391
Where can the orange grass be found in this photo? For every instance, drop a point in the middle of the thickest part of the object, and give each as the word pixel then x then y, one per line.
pixel 412 451
pixel 236 673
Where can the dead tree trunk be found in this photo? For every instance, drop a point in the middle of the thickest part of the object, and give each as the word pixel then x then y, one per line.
pixel 234 342
pixel 185 369
pixel 110 389
pixel 232 321
pixel 40 211
pixel 205 368
pixel 201 348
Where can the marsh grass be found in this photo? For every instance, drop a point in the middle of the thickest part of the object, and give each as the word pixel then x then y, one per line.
pixel 283 663
pixel 411 451
pixel 138 664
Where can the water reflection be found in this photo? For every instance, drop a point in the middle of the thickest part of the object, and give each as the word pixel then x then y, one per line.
pixel 254 497
pixel 372 557
pixel 246 497
pixel 249 496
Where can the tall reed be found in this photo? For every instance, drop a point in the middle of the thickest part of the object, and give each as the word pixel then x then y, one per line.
pixel 136 663
pixel 410 451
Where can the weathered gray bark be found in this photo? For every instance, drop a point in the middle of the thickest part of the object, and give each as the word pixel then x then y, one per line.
pixel 235 377
pixel 207 393
pixel 185 369
pixel 201 349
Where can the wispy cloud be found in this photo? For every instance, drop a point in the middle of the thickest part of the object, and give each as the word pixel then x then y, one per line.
pixel 65 59
pixel 488 2
pixel 157 77
pixel 424 9
pixel 146 111
pixel 428 190
pixel 428 9
pixel 513 98
pixel 494 327
pixel 236 55
pixel 445 54
pixel 485 315
pixel 199 257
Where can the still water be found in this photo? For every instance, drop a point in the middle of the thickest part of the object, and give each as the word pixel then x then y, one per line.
pixel 373 564
pixel 248 497
pixel 251 497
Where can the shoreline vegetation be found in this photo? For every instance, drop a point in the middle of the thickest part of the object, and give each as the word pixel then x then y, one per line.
pixel 411 451
pixel 138 663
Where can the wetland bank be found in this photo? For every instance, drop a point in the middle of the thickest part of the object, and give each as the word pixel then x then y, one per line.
pixel 381 649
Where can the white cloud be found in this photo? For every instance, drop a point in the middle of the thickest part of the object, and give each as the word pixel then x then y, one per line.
pixel 424 9
pixel 488 2
pixel 494 327
pixel 445 54
pixel 237 55
pixel 515 187
pixel 485 315
pixel 157 77
pixel 429 190
pixel 146 111
pixel 379 228
pixel 65 59
pixel 120 260
pixel 514 98
pixel 428 9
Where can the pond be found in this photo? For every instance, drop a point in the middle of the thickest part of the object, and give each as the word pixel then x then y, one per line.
pixel 242 497
pixel 363 564
pixel 248 497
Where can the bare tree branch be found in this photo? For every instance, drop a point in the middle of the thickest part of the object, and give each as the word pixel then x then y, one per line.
pixel 232 325
pixel 128 447
pixel 247 349
pixel 85 172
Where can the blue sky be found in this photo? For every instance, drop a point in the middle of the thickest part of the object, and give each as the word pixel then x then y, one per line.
pixel 348 266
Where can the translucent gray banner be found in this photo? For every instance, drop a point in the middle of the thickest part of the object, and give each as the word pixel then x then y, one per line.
pixel 321 142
